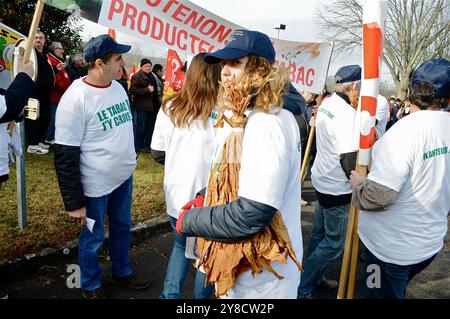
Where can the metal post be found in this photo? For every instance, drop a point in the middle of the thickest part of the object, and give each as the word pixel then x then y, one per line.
pixel 20 174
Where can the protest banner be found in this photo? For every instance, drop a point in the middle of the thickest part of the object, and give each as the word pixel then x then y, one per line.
pixel 174 79
pixel 189 29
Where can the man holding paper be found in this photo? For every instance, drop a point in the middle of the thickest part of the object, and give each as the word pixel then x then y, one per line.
pixel 95 160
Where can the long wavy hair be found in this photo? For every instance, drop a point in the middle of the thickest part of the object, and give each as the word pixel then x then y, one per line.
pixel 268 84
pixel 198 96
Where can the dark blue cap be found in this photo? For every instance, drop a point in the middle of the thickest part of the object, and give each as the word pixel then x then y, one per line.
pixel 437 73
pixel 348 73
pixel 243 43
pixel 101 45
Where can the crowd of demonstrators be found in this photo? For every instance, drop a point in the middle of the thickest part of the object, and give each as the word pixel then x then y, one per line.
pixel 335 157
pixel 62 82
pixel 269 172
pixel 94 160
pixel 12 103
pixel 76 68
pixel 86 110
pixel 185 125
pixel 405 200
pixel 404 110
pixel 123 80
pixel 158 73
pixel 36 129
pixel 145 104
pixel 381 115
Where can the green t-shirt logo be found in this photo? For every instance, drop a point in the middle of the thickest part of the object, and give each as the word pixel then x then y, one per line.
pixel 436 152
pixel 115 115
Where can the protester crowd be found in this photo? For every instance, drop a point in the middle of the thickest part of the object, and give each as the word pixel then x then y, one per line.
pixel 98 122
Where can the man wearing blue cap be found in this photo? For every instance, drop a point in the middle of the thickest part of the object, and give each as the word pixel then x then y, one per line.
pixel 405 200
pixel 95 160
pixel 330 174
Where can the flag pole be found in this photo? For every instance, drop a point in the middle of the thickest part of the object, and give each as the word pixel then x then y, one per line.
pixel 305 161
pixel 34 26
pixel 374 17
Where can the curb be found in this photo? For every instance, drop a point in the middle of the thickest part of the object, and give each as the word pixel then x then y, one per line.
pixel 31 262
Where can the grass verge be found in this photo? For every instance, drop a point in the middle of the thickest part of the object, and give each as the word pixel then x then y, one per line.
pixel 48 222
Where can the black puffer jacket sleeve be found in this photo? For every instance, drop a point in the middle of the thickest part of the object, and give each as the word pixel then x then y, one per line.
pixel 16 96
pixel 67 165
pixel 237 220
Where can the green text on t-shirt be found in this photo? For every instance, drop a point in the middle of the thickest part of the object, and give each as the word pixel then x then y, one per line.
pixel 326 112
pixel 115 115
pixel 435 152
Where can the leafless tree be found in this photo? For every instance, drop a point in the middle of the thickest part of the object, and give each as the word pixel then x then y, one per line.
pixel 416 30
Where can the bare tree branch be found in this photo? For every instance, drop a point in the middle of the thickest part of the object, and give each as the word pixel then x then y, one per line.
pixel 416 30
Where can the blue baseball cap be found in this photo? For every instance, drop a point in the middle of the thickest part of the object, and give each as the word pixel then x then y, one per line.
pixel 348 73
pixel 243 43
pixel 437 73
pixel 101 45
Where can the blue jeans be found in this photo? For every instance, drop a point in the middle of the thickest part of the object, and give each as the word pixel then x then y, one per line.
pixel 393 278
pixel 50 133
pixel 117 205
pixel 325 245
pixel 145 123
pixel 177 269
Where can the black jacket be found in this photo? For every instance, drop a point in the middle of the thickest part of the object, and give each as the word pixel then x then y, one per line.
pixel 142 98
pixel 67 166
pixel 16 96
pixel 45 79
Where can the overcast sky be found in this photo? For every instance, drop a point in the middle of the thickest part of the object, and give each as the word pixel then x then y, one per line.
pixel 260 15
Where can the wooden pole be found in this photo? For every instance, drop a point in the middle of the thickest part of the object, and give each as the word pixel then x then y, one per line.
pixel 350 258
pixel 34 26
pixel 305 162
pixel 354 259
pixel 306 157
pixel 346 256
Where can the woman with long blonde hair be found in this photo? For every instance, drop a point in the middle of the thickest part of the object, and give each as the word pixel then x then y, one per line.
pixel 268 176
pixel 183 141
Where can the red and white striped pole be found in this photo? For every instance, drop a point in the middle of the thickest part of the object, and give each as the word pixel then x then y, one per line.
pixel 374 19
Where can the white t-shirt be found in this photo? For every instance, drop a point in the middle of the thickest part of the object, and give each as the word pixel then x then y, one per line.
pixel 334 136
pixel 412 158
pixel 381 115
pixel 189 151
pixel 98 119
pixel 270 174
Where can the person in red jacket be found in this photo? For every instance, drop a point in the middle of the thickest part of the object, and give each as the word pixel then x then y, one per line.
pixel 62 82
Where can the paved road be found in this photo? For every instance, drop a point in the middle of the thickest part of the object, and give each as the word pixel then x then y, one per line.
pixel 150 259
